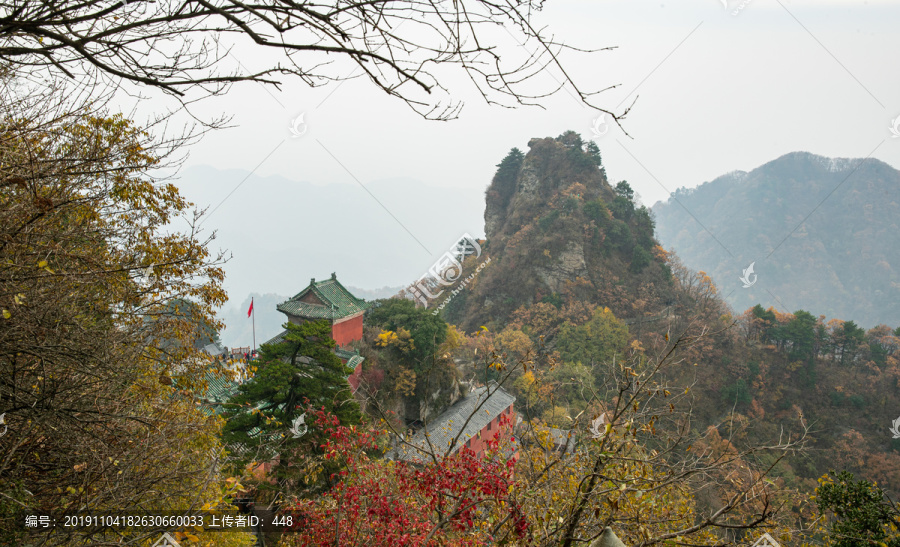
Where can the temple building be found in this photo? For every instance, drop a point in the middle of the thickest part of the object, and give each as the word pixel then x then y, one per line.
pixel 328 299
pixel 471 422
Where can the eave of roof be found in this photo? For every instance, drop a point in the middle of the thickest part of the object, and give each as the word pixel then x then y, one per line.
pixel 338 302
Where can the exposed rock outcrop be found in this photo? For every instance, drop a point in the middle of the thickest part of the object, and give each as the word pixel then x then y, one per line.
pixel 554 225
pixel 569 265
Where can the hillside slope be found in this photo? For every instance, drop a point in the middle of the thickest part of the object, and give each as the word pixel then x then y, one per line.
pixel 823 234
pixel 566 248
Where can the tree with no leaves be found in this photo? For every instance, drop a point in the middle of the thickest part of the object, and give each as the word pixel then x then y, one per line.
pixel 184 45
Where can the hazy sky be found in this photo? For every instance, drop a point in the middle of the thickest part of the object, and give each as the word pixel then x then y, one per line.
pixel 718 89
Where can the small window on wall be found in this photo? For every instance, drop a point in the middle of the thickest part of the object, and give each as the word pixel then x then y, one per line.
pixel 490 423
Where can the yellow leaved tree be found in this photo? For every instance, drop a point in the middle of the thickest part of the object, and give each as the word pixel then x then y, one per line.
pixel 103 299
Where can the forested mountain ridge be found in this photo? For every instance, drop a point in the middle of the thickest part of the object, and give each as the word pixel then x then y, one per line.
pixel 560 234
pixel 555 235
pixel 830 226
pixel 680 409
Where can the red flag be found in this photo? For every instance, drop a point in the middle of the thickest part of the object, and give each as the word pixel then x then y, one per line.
pixel 251 308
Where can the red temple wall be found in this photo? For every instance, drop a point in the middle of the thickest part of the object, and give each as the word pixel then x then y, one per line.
pixel 353 380
pixel 478 443
pixel 349 330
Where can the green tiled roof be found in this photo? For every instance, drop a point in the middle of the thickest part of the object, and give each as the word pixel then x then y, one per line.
pixel 337 302
pixel 279 338
pixel 345 353
pixel 219 388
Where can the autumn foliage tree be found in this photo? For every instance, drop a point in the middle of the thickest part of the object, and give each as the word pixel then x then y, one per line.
pixel 634 465
pixel 460 500
pixel 96 369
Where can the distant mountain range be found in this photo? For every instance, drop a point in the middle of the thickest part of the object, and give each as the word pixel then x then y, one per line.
pixel 822 235
pixel 282 232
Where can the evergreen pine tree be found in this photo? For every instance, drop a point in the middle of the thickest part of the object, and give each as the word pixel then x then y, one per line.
pixel 504 182
pixel 303 367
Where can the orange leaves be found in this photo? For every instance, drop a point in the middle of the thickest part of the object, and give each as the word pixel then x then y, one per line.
pixel 636 347
pixel 186 536
pixel 515 343
pixel 661 254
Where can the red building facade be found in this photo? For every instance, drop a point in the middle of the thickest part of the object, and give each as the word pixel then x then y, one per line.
pixel 493 429
pixel 476 418
pixel 347 329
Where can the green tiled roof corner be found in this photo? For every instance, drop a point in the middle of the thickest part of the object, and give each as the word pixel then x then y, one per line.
pixel 279 338
pixel 345 353
pixel 338 301
pixel 355 360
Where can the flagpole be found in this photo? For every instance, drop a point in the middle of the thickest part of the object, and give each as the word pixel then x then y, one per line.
pixel 254 324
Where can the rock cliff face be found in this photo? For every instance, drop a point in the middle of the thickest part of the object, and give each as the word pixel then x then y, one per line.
pixel 569 265
pixel 439 401
pixel 416 409
pixel 557 232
